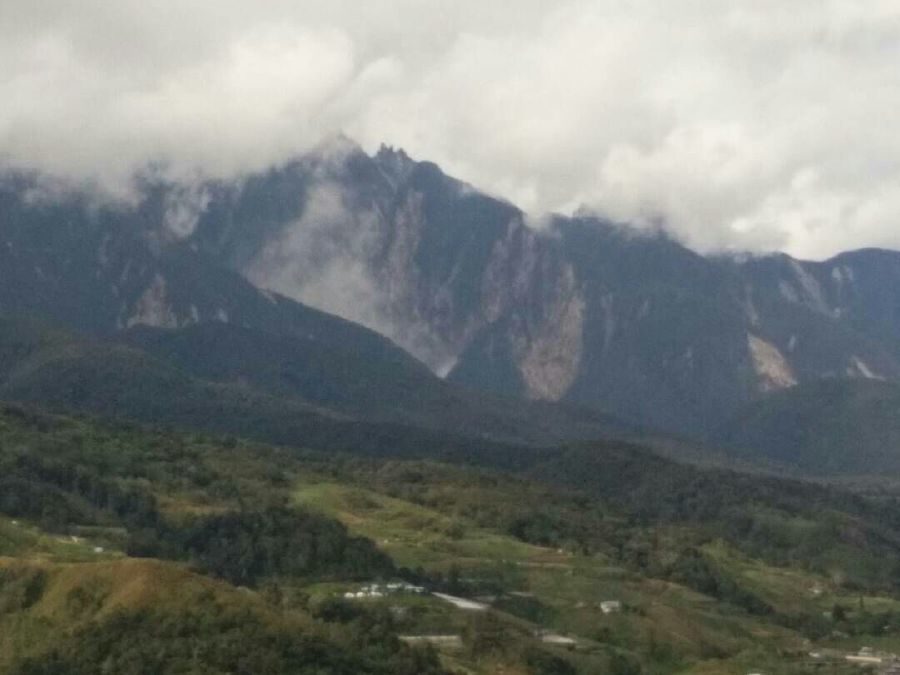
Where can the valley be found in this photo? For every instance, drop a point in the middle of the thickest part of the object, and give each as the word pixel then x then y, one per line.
pixel 420 337
pixel 581 583
pixel 198 454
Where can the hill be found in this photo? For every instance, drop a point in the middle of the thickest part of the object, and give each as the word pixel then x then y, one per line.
pixel 365 387
pixel 109 272
pixel 836 427
pixel 66 372
pixel 581 310
pixel 144 616
pixel 536 554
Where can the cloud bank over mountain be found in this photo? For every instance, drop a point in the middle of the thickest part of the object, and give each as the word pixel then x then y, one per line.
pixel 735 125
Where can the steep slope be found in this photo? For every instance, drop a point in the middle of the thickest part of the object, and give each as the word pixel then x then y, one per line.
pixel 820 312
pixel 454 274
pixel 367 389
pixel 832 427
pixel 60 370
pixel 661 336
pixel 681 342
pixel 582 310
pixel 118 271
pixel 394 244
pixel 229 380
pixel 102 268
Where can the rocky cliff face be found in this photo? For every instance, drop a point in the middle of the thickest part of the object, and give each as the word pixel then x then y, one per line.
pixel 681 342
pixel 401 248
pixel 104 269
pixel 581 310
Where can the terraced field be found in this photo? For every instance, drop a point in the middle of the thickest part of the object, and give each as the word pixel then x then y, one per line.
pixel 559 591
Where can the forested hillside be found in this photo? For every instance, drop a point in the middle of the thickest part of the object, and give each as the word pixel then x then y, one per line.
pixel 275 389
pixel 831 428
pixel 131 536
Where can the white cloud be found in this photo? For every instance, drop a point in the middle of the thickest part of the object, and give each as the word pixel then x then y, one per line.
pixel 741 125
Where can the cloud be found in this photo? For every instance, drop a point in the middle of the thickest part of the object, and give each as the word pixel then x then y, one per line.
pixel 739 125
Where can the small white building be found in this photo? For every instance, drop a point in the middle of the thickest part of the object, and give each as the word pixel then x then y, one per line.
pixel 557 639
pixel 610 606
pixel 866 656
pixel 863 660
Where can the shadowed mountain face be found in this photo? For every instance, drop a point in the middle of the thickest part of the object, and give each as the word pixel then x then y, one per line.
pixel 582 310
pixel 390 243
pixel 225 379
pixel 831 427
pixel 207 346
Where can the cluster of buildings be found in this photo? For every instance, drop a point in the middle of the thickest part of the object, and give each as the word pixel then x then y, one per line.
pixel 383 590
pixel 883 663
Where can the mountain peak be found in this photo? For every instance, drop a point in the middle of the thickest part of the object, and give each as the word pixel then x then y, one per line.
pixel 395 163
pixel 335 149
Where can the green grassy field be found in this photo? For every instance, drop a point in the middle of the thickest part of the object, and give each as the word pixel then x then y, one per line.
pixel 417 536
pixel 542 557
pixel 23 539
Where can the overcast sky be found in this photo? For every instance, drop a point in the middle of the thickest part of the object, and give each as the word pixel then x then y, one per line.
pixel 757 125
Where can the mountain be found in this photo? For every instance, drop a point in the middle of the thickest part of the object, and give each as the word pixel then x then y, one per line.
pixel 138 550
pixel 357 386
pixel 829 428
pixel 232 380
pixel 159 548
pixel 113 272
pixel 388 242
pixel 859 290
pixel 580 310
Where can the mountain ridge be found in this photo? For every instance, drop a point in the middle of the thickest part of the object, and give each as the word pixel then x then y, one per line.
pixel 583 311
pixel 569 312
